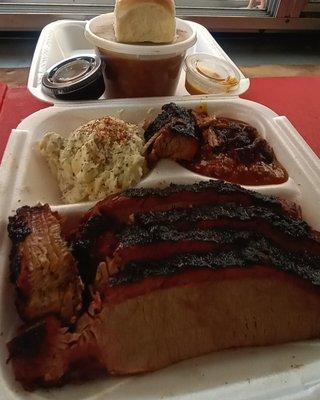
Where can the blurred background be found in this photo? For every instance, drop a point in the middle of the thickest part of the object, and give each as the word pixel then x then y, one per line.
pixel 263 37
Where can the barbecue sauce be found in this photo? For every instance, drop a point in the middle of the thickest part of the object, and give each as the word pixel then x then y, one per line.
pixel 233 151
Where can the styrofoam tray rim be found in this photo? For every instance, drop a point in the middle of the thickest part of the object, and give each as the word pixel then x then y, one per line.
pixel 296 388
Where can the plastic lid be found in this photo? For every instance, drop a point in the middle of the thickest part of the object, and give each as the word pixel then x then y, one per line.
pixel 207 74
pixel 95 27
pixel 77 75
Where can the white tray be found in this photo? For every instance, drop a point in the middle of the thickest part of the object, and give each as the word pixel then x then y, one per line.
pixel 289 371
pixel 63 39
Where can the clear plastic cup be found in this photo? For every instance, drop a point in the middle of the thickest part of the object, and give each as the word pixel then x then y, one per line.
pixel 139 70
pixel 206 74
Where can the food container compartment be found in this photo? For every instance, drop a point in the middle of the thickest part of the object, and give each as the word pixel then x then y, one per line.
pixel 289 371
pixel 35 182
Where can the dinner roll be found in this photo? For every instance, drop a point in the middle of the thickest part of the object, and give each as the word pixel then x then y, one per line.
pixel 139 21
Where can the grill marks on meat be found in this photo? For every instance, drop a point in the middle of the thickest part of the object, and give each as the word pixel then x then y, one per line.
pixel 173 134
pixel 137 235
pixel 42 267
pixel 241 217
pixel 162 241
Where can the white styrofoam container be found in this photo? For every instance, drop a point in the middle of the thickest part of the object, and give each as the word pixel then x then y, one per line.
pixel 64 39
pixel 290 371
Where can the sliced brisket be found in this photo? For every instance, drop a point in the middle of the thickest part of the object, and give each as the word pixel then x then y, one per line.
pixel 132 201
pixel 170 274
pixel 255 251
pixel 159 321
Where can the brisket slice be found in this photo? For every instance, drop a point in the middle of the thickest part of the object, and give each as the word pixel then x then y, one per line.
pixel 195 228
pixel 236 273
pixel 156 322
pixel 119 208
pixel 254 250
pixel 115 212
pixel 160 242
pixel 219 231
pixel 42 267
pixel 294 227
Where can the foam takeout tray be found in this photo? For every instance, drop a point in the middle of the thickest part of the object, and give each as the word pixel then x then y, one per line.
pixel 63 39
pixel 290 371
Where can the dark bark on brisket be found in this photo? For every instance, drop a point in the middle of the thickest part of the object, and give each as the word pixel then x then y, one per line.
pixel 131 232
pixel 137 235
pixel 219 231
pixel 296 228
pixel 162 242
pixel 258 251
pixel 218 186
pixel 180 120
pixel 18 230
pixel 185 196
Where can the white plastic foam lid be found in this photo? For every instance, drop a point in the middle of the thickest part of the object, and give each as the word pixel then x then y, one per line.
pixel 66 38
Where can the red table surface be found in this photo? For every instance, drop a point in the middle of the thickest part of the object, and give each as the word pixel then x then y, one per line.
pixel 298 98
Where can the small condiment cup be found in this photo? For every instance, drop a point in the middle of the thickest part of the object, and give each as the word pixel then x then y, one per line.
pixel 206 74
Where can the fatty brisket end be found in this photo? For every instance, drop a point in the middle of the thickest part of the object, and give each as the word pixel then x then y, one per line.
pixel 42 267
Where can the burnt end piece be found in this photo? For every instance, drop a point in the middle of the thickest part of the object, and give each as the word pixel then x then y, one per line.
pixel 259 251
pixel 42 267
pixel 241 140
pixel 180 120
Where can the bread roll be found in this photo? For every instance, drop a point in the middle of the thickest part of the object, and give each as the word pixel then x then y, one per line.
pixel 138 21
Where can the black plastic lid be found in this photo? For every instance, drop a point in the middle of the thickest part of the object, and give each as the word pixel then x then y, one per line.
pixel 76 78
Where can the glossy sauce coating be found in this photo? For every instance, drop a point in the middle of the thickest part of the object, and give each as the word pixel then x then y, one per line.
pixel 233 151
